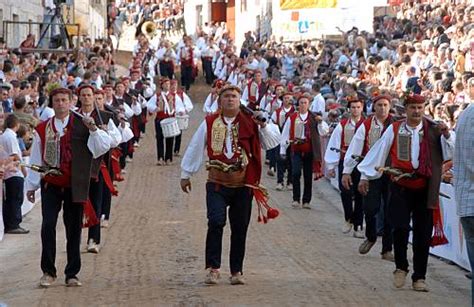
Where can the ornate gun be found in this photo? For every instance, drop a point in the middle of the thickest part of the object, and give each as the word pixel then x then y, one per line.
pixel 337 150
pixel 357 158
pixel 257 114
pixel 224 167
pixel 46 170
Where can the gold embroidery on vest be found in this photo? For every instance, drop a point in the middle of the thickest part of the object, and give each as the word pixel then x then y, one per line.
pixel 218 135
pixel 374 133
pixel 299 128
pixel 348 133
pixel 52 146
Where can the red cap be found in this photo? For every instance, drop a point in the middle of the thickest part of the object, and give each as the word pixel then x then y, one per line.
pixel 163 80
pixel 135 70
pixel 99 92
pixel 60 90
pixel 379 97
pixel 414 98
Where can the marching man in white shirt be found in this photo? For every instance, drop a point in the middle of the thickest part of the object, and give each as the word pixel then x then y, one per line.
pixel 416 149
pixel 340 139
pixel 302 133
pixel 233 141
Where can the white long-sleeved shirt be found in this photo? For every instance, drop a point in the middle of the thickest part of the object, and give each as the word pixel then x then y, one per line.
pixel 114 133
pixel 193 157
pixel 318 105
pixel 126 132
pixel 332 157
pixel 188 104
pixel 210 106
pixel 9 143
pixel 98 144
pixel 323 129
pixel 179 107
pixel 356 147
pixel 378 154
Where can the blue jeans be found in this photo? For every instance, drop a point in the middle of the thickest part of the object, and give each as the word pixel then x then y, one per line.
pixel 468 228
pixel 302 162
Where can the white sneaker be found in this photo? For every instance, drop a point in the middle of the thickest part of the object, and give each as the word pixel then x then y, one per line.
pixel 92 247
pixel 136 145
pixel 212 277
pixel 237 279
pixel 271 172
pixel 123 172
pixel 289 187
pixel 359 233
pixel 46 280
pixel 279 187
pixel 347 227
pixel 295 204
pixel 306 206
pixel 128 160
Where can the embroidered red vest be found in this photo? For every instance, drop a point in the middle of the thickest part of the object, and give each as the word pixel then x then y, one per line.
pixel 404 165
pixel 65 150
pixel 303 147
pixel 345 138
pixel 190 60
pixel 278 115
pixel 368 143
pixel 162 114
pixel 248 140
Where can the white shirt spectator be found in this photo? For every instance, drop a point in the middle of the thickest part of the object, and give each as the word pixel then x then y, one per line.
pixel 9 142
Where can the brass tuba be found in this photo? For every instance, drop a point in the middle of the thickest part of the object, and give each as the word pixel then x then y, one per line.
pixel 149 29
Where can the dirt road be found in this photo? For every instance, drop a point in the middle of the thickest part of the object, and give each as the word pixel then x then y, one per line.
pixel 153 253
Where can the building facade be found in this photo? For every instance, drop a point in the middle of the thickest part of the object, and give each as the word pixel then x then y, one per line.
pixel 14 10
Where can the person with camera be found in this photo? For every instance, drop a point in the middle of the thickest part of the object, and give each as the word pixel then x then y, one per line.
pixel 302 133
pixel 233 140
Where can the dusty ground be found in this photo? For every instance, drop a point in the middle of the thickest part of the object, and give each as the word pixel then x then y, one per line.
pixel 153 253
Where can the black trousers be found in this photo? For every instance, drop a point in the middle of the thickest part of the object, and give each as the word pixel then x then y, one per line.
pixel 106 202
pixel 302 161
pixel 96 194
pixel 142 125
pixel 239 201
pixel 123 156
pixel 377 198
pixel 52 199
pixel 177 143
pixel 284 165
pixel 406 204
pixel 166 69
pixel 164 152
pixel 351 199
pixel 207 69
pixel 186 76
pixel 13 200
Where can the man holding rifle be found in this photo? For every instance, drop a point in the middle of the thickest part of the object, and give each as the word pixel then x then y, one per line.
pixel 416 148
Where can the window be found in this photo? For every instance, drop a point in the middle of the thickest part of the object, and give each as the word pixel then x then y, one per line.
pixel 1 23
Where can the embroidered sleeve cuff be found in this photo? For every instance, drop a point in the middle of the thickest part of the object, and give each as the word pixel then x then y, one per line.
pixel 185 174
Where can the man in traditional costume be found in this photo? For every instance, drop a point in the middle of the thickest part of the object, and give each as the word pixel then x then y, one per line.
pixel 68 144
pixel 340 140
pixel 376 195
pixel 233 140
pixel 302 133
pixel 416 148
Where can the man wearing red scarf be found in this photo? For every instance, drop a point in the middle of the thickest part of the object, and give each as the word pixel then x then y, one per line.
pixel 418 147
pixel 234 141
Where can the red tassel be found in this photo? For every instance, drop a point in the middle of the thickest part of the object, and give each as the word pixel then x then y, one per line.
pixel 261 198
pixel 89 217
pixel 107 179
pixel 438 235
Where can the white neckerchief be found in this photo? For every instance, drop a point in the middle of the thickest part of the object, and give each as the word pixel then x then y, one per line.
pixel 166 104
pixel 60 125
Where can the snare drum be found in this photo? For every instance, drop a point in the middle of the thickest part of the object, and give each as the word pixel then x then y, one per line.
pixel 183 121
pixel 170 127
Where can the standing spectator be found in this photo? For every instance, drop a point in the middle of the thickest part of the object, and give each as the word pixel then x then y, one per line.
pixel 14 180
pixel 463 173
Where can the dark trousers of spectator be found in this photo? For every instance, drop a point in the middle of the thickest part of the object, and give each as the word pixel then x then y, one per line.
pixel 123 156
pixel 351 199
pixel 12 202
pixel 207 69
pixel 239 200
pixel 405 204
pixel 272 157
pixel 376 199
pixel 96 192
pixel 302 161
pixel 52 199
pixel 177 143
pixel 166 69
pixel 164 146
pixel 186 76
pixel 284 165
